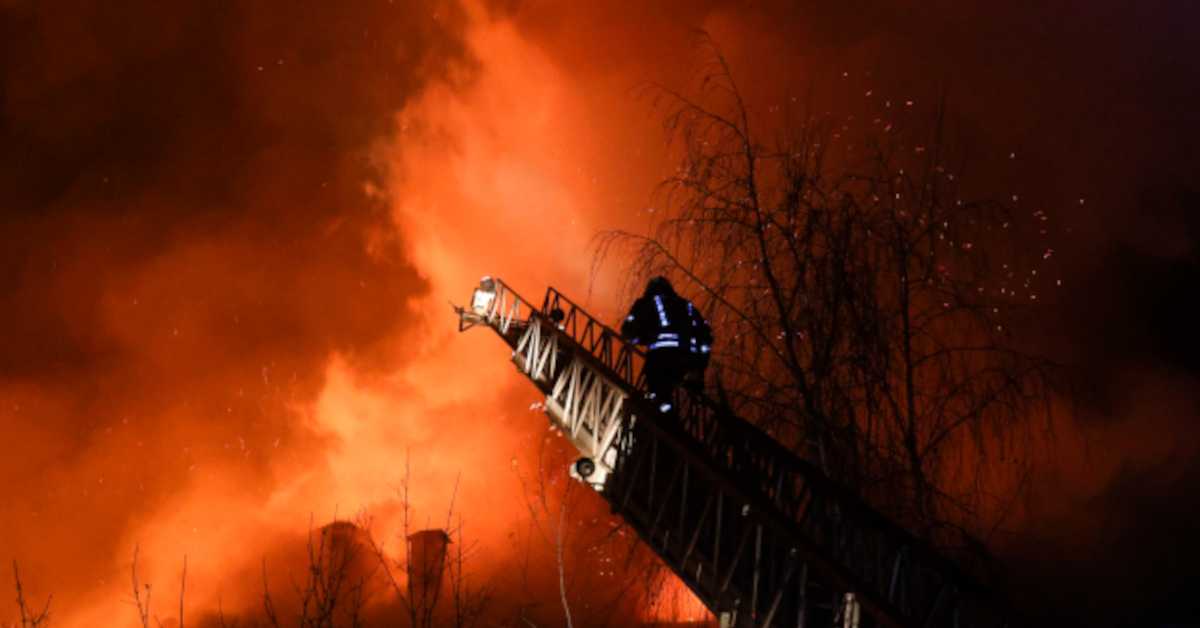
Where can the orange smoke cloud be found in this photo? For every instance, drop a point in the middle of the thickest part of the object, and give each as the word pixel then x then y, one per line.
pixel 188 253
pixel 231 319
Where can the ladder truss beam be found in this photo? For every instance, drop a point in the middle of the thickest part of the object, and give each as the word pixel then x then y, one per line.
pixel 759 534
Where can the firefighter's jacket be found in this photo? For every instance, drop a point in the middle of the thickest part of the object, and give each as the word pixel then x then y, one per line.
pixel 665 320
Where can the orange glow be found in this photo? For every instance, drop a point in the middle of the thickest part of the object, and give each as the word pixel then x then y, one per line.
pixel 237 235
pixel 675 604
pixel 497 175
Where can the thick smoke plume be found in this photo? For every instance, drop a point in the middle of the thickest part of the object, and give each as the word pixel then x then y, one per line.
pixel 194 264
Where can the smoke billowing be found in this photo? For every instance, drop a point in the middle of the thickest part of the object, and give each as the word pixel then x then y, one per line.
pixel 191 234
pixel 229 234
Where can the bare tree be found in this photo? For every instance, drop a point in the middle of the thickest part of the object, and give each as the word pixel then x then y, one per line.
pixel 545 508
pixel 335 588
pixel 601 573
pixel 142 593
pixel 29 618
pixel 268 602
pixel 329 580
pixel 222 621
pixel 141 604
pixel 468 601
pixel 182 589
pixel 387 564
pixel 860 303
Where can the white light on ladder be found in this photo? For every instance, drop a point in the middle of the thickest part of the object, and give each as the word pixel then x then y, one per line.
pixel 484 295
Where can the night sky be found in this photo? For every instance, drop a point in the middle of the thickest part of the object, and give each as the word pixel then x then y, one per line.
pixel 229 231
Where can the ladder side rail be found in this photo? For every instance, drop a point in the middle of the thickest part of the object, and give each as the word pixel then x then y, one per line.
pixel 575 316
pixel 608 421
pixel 504 313
pixel 815 518
pixel 729 438
pixel 597 339
pixel 632 490
pixel 583 397
pixel 754 457
pixel 744 512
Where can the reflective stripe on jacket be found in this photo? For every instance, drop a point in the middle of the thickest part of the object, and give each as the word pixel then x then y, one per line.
pixel 667 321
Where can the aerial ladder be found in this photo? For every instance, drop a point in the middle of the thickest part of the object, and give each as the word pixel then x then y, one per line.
pixel 760 535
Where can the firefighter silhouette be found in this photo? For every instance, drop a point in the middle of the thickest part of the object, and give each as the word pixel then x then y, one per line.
pixel 678 341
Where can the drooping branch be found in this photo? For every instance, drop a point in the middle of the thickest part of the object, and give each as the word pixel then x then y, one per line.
pixel 29 618
pixel 861 312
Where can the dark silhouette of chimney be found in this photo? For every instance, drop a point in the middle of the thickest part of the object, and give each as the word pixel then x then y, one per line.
pixel 426 565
